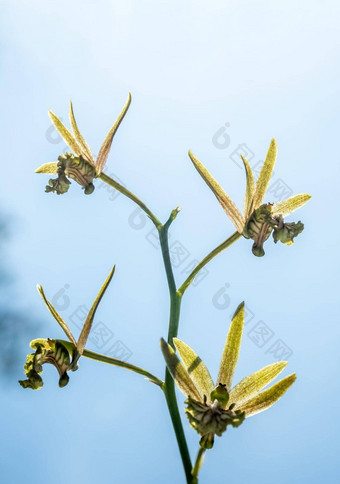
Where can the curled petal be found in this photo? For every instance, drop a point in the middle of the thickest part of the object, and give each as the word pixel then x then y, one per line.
pixel 179 372
pixel 287 232
pixel 47 351
pixel 226 202
pixel 197 370
pixel 268 397
pixel 291 204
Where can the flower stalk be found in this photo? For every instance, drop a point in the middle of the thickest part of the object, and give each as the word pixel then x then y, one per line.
pixel 198 465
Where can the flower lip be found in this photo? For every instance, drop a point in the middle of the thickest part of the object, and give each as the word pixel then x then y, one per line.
pixel 73 167
pixel 47 351
pixel 212 418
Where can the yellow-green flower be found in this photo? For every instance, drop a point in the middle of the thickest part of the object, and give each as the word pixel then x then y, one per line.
pixel 63 355
pixel 80 166
pixel 212 406
pixel 258 219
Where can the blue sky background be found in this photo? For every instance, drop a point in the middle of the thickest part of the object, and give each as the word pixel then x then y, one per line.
pixel 264 68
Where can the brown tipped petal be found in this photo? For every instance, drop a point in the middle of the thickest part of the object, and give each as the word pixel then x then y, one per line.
pixel 250 188
pixel 87 153
pixel 197 370
pixel 106 146
pixel 65 133
pixel 89 320
pixel 179 373
pixel 226 202
pixel 56 315
pixel 265 175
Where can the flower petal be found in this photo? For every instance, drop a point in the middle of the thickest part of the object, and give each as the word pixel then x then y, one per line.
pixel 231 349
pixel 197 370
pixel 226 202
pixel 268 397
pixel 106 146
pixel 89 320
pixel 50 168
pixel 265 174
pixel 56 315
pixel 79 138
pixel 65 133
pixel 179 372
pixel 252 384
pixel 291 204
pixel 250 189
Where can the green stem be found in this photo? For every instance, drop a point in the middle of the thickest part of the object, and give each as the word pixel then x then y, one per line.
pixel 175 304
pixel 198 465
pixel 105 178
pixel 230 240
pixel 115 362
pixel 169 386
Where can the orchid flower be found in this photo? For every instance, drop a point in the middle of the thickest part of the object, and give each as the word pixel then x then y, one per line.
pixel 212 406
pixel 80 166
pixel 62 355
pixel 259 219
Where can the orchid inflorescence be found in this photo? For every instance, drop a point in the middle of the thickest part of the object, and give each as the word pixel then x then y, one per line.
pixel 211 406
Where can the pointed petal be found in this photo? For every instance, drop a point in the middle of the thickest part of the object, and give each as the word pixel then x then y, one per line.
pixel 65 133
pixel 197 370
pixel 227 204
pixel 252 384
pixel 288 206
pixel 106 146
pixel 56 315
pixel 50 168
pixel 79 138
pixel 250 189
pixel 89 320
pixel 179 373
pixel 265 174
pixel 231 349
pixel 268 397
